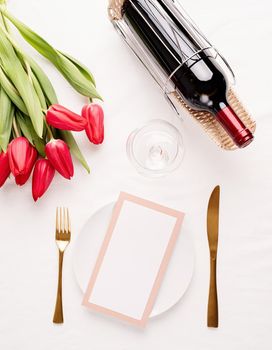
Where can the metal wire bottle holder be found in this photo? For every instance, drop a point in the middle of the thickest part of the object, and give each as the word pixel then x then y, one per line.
pixel 206 119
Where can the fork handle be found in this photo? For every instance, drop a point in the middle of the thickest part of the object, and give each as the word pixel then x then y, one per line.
pixel 213 301
pixel 58 314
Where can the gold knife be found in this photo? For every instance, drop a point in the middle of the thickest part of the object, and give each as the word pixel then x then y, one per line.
pixel 212 230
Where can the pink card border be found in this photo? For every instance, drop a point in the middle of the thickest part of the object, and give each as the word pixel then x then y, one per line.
pixel 168 252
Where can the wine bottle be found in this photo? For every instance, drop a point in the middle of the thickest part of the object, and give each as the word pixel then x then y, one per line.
pixel 188 62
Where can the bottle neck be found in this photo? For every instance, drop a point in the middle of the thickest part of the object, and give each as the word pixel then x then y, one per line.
pixel 233 125
pixel 219 106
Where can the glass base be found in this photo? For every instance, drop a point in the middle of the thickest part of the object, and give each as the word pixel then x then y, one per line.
pixel 155 149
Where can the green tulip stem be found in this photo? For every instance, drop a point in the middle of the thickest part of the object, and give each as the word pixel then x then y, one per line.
pixel 49 131
pixel 15 128
pixel 28 70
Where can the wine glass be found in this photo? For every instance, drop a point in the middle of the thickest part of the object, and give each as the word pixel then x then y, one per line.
pixel 155 149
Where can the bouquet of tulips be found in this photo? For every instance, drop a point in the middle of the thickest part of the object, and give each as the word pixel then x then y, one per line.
pixel 35 131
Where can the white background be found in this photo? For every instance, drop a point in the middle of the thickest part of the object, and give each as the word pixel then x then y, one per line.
pixel 242 30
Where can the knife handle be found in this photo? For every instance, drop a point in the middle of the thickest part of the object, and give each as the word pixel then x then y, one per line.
pixel 213 301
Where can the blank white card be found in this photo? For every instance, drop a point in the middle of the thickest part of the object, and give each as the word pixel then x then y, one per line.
pixel 133 259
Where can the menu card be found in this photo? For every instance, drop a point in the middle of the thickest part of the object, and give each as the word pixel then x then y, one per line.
pixel 133 259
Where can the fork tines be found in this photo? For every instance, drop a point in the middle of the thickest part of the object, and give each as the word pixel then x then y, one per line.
pixel 63 224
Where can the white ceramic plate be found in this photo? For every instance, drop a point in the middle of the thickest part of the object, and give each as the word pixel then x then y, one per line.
pixel 178 275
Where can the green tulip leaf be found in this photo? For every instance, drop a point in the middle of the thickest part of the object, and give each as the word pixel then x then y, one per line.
pixel 11 91
pixel 16 73
pixel 45 83
pixel 72 74
pixel 23 125
pixel 71 142
pixel 72 70
pixel 28 131
pixel 6 117
pixel 81 67
pixel 35 40
pixel 38 90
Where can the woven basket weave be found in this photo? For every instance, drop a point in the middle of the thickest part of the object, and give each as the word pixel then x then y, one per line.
pixel 205 119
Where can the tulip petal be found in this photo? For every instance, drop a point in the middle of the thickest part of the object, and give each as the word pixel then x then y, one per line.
pixel 62 118
pixel 95 122
pixel 43 175
pixel 59 155
pixel 21 179
pixel 4 168
pixel 22 157
pixel 17 152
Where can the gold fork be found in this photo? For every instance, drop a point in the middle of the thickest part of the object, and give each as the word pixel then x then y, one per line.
pixel 63 236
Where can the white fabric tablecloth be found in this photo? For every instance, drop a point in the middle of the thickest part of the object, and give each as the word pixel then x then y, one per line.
pixel 242 30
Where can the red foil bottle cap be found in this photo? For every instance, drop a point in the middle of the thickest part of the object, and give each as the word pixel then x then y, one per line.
pixel 233 125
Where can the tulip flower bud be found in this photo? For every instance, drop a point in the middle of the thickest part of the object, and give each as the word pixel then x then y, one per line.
pixel 22 156
pixel 62 118
pixel 94 115
pixel 4 168
pixel 59 155
pixel 43 175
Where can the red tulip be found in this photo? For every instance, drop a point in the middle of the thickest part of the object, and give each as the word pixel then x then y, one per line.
pixel 94 115
pixel 22 156
pixel 59 155
pixel 4 168
pixel 43 175
pixel 62 118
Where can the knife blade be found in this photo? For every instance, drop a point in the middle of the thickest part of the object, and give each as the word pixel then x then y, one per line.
pixel 212 231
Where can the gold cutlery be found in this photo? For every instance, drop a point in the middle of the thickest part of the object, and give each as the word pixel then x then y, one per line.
pixel 212 230
pixel 63 237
